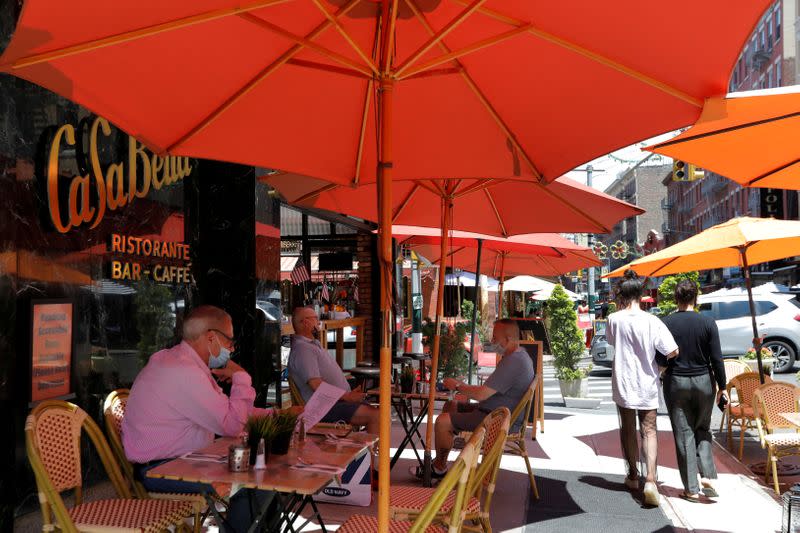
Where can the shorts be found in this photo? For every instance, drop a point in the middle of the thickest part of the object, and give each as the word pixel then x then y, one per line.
pixel 467 417
pixel 341 412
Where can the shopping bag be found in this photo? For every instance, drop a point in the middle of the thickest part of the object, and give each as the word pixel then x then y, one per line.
pixel 354 487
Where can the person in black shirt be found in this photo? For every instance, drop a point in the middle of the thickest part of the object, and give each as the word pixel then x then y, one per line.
pixel 689 382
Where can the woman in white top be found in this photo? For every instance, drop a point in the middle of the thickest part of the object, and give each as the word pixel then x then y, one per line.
pixel 636 336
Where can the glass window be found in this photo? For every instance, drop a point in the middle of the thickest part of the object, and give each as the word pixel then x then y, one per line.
pixel 778 78
pixel 763 307
pixel 706 310
pixel 731 310
pixel 777 22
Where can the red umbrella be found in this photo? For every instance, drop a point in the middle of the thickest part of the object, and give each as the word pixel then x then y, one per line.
pixel 490 207
pixel 360 91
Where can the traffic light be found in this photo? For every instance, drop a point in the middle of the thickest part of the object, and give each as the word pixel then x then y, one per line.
pixel 694 173
pixel 682 171
pixel 678 171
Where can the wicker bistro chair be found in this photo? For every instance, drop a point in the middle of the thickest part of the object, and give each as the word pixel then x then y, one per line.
pixel 769 400
pixel 733 368
pixel 741 414
pixel 407 502
pixel 113 413
pixel 515 442
pixel 297 398
pixel 52 439
pixel 456 481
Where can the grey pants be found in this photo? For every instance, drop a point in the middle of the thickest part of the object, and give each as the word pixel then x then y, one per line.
pixel 690 400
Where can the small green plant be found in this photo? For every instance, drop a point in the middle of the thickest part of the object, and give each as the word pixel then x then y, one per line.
pixel 285 422
pixel 260 427
pixel 666 291
pixel 566 340
pixel 453 356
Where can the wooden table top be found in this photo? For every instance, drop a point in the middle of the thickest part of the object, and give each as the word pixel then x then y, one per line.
pixel 278 476
pixel 439 396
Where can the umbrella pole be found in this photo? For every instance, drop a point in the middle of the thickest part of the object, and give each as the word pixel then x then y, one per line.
pixel 447 205
pixel 477 302
pixel 756 337
pixel 500 289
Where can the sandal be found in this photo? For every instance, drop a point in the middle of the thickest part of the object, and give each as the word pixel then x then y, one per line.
pixel 689 497
pixel 708 488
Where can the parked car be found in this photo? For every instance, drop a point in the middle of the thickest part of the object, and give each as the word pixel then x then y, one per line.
pixel 601 351
pixel 777 317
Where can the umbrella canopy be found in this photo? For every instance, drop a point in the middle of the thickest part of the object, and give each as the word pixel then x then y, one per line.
pixel 541 287
pixel 483 87
pixel 539 254
pixel 491 207
pixel 739 242
pixel 467 279
pixel 748 137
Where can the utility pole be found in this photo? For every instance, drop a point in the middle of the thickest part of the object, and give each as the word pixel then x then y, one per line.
pixel 590 241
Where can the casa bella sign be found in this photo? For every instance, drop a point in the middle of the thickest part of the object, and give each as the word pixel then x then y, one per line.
pixel 88 197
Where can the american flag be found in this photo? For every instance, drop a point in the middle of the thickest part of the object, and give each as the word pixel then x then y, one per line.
pixel 300 272
pixel 326 295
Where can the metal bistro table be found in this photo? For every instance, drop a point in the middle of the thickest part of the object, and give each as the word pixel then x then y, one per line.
pixel 403 406
pixel 293 487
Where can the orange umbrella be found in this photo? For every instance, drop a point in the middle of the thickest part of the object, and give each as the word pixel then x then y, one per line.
pixel 359 91
pixel 491 207
pixel 749 137
pixel 741 242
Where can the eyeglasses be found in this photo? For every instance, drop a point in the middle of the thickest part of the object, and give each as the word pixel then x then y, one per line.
pixel 231 340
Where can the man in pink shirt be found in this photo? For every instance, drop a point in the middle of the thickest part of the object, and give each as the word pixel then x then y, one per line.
pixel 176 406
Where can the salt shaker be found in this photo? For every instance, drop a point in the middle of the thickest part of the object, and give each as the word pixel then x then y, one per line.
pixel 261 463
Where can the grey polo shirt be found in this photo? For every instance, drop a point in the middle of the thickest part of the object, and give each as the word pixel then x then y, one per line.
pixel 510 381
pixel 309 360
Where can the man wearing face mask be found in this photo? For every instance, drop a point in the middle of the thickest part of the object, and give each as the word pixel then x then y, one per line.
pixel 504 388
pixel 310 364
pixel 176 406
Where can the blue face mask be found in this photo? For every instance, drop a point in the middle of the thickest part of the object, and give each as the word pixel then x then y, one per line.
pixel 219 361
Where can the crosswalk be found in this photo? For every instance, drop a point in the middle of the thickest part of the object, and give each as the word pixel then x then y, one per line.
pixel 599 387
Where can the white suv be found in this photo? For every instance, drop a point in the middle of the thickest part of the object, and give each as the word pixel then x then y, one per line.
pixel 777 317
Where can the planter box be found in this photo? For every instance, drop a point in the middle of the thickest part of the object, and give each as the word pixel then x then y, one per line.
pixel 582 403
pixel 768 365
pixel 574 388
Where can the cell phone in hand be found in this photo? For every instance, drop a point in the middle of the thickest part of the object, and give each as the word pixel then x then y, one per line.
pixel 722 403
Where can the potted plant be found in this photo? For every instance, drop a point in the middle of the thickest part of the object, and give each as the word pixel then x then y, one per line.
pixel 566 344
pixel 767 359
pixel 284 424
pixel 260 427
pixel 407 379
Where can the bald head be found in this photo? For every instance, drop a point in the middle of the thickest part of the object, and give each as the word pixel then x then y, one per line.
pixel 203 318
pixel 506 334
pixel 304 321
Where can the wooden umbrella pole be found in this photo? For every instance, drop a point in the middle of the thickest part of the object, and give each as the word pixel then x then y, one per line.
pixel 749 285
pixel 386 87
pixel 447 205
pixel 500 288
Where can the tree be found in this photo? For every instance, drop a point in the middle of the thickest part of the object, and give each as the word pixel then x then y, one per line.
pixel 666 291
pixel 453 356
pixel 566 340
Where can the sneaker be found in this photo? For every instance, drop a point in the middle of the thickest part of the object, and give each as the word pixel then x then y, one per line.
pixel 632 484
pixel 419 472
pixel 651 496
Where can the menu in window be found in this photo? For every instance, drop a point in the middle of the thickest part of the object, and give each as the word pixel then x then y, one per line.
pixel 51 350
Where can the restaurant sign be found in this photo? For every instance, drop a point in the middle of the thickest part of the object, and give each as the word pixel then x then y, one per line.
pixel 772 203
pixel 85 199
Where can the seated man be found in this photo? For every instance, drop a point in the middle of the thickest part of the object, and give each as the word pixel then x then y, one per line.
pixel 176 407
pixel 504 388
pixel 310 364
